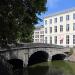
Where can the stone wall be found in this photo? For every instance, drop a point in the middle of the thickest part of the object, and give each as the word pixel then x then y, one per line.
pixel 25 51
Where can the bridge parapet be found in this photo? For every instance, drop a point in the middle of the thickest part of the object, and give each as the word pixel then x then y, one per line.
pixel 24 51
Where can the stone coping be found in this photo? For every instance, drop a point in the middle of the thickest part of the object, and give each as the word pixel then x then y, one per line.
pixel 30 46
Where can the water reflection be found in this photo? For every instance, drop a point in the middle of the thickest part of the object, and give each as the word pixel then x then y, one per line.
pixel 53 69
pixel 45 71
pixel 38 71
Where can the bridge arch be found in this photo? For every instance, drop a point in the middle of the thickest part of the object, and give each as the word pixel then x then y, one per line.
pixel 38 57
pixel 58 57
pixel 16 63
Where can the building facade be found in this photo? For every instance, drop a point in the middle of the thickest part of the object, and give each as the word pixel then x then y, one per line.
pixel 59 28
pixel 38 36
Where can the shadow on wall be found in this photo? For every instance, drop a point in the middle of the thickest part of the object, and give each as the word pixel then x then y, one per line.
pixel 16 63
pixel 38 57
pixel 58 57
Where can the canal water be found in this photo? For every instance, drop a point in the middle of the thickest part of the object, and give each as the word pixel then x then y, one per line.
pixel 48 68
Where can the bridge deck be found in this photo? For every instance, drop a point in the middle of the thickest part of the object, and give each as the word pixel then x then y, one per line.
pixel 30 46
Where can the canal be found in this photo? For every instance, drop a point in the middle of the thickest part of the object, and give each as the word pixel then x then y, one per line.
pixel 49 68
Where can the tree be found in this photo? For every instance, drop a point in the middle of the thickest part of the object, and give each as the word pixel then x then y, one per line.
pixel 17 19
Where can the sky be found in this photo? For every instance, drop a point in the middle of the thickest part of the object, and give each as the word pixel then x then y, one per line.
pixel 54 6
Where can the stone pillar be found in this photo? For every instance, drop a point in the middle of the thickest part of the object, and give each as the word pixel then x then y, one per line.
pixel 25 59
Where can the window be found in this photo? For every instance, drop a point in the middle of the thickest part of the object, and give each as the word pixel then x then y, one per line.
pixel 67 17
pixel 61 41
pixel 67 39
pixel 32 36
pixel 45 22
pixel 41 32
pixel 32 40
pixel 61 28
pixel 74 16
pixel 50 40
pixel 55 28
pixel 67 27
pixel 50 29
pixel 73 26
pixel 37 40
pixel 41 36
pixel 50 21
pixel 55 38
pixel 73 39
pixel 36 32
pixel 36 36
pixel 45 30
pixel 45 39
pixel 61 19
pixel 55 20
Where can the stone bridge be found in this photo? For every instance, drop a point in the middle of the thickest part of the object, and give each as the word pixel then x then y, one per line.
pixel 26 50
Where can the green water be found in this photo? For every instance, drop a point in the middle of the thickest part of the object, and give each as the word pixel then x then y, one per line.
pixel 49 68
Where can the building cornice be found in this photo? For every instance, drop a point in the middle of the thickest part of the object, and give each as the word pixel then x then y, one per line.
pixel 61 12
pixel 39 27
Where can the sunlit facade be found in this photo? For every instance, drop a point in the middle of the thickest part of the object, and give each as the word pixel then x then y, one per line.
pixel 59 28
pixel 38 36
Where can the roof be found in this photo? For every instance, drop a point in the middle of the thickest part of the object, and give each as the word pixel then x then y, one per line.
pixel 39 27
pixel 61 12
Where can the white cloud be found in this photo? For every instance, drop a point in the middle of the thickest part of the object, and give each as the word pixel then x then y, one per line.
pixel 52 3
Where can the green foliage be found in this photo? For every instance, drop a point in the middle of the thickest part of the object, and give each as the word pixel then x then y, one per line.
pixel 17 19
pixel 71 51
